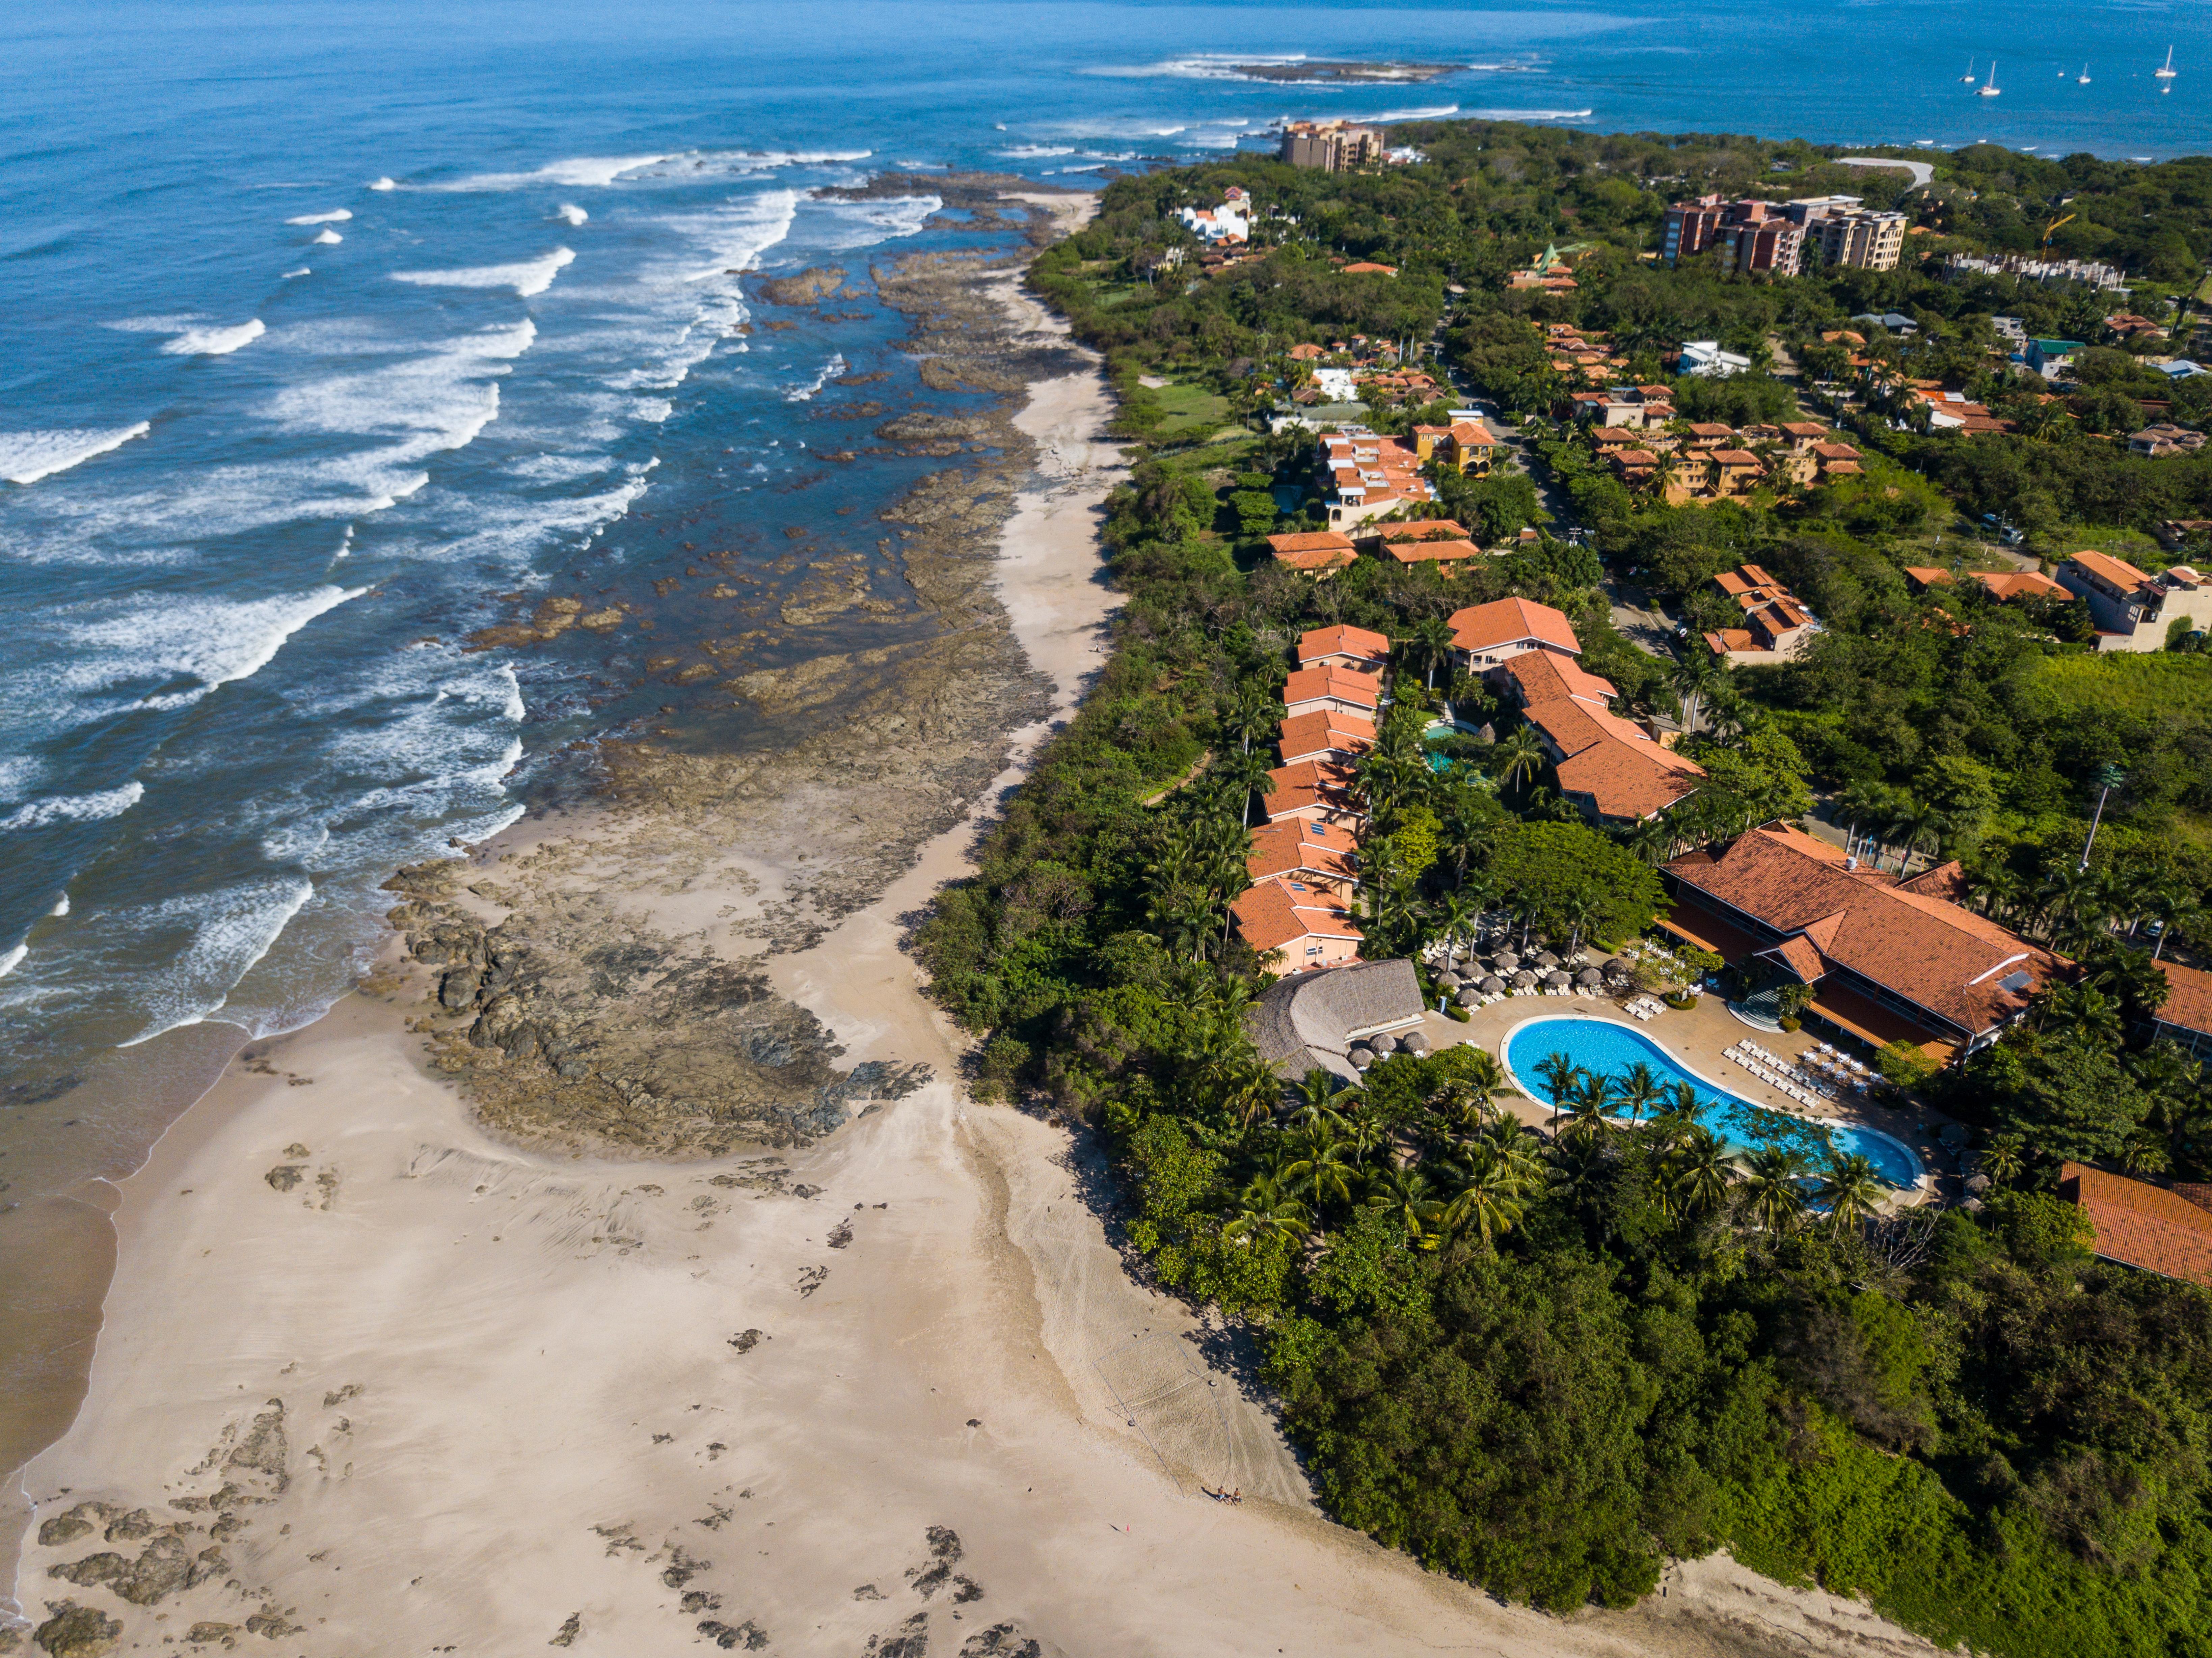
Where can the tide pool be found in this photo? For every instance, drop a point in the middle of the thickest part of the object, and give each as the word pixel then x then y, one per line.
pixel 1605 1048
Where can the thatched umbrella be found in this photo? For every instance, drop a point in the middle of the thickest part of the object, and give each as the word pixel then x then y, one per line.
pixel 1383 1046
pixel 1546 959
pixel 1506 961
pixel 1414 1043
pixel 1555 978
pixel 1468 995
pixel 1589 976
pixel 1448 980
pixel 1361 1058
pixel 1491 984
pixel 1523 979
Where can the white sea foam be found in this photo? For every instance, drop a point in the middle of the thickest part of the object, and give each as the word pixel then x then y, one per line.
pixel 591 172
pixel 61 905
pixel 1530 114
pixel 807 393
pixel 26 457
pixel 9 958
pixel 215 342
pixel 213 642
pixel 1428 112
pixel 230 931
pixel 382 183
pixel 75 808
pixel 527 278
pixel 302 271
pixel 864 223
pixel 1033 152
pixel 337 216
pixel 571 212
pixel 514 710
pixel 326 238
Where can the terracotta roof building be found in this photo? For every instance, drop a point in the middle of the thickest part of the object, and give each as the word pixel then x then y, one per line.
pixel 2003 585
pixel 1776 627
pixel 1888 960
pixel 1360 649
pixel 1327 734
pixel 1320 790
pixel 1316 552
pixel 1365 476
pixel 2141 1225
pixel 1310 689
pixel 1491 633
pixel 1311 926
pixel 2186 1018
pixel 1323 855
pixel 1610 767
pixel 2134 612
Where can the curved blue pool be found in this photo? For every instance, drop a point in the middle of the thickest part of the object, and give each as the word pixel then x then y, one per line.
pixel 1604 1047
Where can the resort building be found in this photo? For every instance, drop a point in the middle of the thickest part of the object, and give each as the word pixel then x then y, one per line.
pixel 1319 553
pixel 1869 241
pixel 1360 649
pixel 1339 690
pixel 1468 447
pixel 1749 235
pixel 1326 734
pixel 1310 926
pixel 1490 634
pixel 1776 628
pixel 2186 1019
pixel 1428 543
pixel 1887 960
pixel 1323 855
pixel 1332 146
pixel 2134 612
pixel 2153 1228
pixel 1611 768
pixel 1312 1020
pixel 1365 476
pixel 1317 791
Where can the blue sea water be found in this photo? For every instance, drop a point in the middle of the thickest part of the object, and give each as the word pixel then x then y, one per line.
pixel 1605 1049
pixel 331 332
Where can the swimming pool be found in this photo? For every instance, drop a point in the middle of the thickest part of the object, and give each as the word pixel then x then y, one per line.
pixel 1604 1047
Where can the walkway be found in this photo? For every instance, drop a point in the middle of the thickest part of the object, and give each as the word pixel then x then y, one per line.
pixel 1921 171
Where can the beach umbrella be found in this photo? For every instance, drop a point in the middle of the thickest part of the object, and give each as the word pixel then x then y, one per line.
pixel 1977 1184
pixel 1360 1058
pixel 1383 1046
pixel 1448 980
pixel 1491 984
pixel 1589 976
pixel 1468 995
pixel 1546 959
pixel 1507 961
pixel 1523 979
pixel 1555 977
pixel 1414 1043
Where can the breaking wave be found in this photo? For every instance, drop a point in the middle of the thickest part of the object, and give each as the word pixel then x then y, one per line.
pixel 26 457
pixel 216 342
pixel 335 215
pixel 527 278
pixel 75 809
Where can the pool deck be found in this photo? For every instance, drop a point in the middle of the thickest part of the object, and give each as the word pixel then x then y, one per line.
pixel 1700 1038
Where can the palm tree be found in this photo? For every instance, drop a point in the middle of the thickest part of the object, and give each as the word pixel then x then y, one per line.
pixel 2090 1014
pixel 1245 774
pixel 2003 1158
pixel 2143 1155
pixel 1432 645
pixel 1851 1190
pixel 1453 919
pixel 1328 1175
pixel 1523 752
pixel 1916 822
pixel 1485 1079
pixel 1489 1196
pixel 1255 713
pixel 1405 1193
pixel 1263 1211
pixel 1699 1170
pixel 1636 1090
pixel 1650 842
pixel 1559 1074
pixel 1676 1116
pixel 1251 1089
pixel 1693 676
pixel 1312 1100
pixel 1774 1187
pixel 1588 1105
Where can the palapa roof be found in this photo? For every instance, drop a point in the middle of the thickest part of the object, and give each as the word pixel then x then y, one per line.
pixel 1905 936
pixel 1507 621
pixel 2139 1224
pixel 1310 1019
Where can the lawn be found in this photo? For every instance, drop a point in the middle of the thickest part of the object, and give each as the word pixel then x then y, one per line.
pixel 1188 410
pixel 2155 685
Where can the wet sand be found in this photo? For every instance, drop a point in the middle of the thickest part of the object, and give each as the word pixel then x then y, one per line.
pixel 375 1380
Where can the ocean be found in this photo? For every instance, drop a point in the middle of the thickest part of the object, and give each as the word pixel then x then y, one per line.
pixel 332 334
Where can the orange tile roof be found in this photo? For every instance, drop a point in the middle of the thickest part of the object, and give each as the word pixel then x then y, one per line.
pixel 1504 621
pixel 1310 685
pixel 1931 952
pixel 2188 1000
pixel 1711 429
pixel 1306 784
pixel 2014 584
pixel 1545 676
pixel 1324 731
pixel 1927 575
pixel 2139 1224
pixel 1625 773
pixel 1342 640
pixel 2117 571
pixel 1319 550
pixel 1425 552
pixel 1278 912
pixel 1421 528
pixel 1288 848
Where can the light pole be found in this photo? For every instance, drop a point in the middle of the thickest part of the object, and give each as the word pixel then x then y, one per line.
pixel 2109 777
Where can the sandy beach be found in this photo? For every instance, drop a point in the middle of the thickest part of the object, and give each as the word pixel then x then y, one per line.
pixel 376 1379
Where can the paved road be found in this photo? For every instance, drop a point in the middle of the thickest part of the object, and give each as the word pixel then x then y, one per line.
pixel 1921 171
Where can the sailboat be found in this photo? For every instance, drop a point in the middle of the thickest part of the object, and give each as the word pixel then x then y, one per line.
pixel 1989 89
pixel 2165 71
pixel 2083 78
pixel 1968 77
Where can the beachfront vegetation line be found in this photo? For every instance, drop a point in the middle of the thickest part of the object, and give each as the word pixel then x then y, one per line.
pixel 1547 1365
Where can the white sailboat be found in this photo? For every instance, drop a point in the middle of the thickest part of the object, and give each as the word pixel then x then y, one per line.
pixel 1989 89
pixel 2083 78
pixel 2165 71
pixel 1968 77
